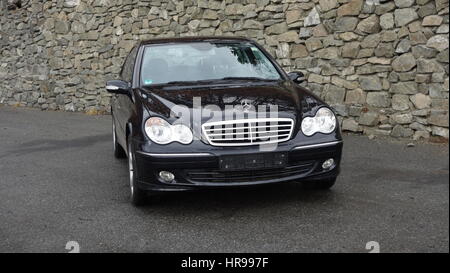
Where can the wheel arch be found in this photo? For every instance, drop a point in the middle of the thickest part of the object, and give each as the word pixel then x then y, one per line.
pixel 128 131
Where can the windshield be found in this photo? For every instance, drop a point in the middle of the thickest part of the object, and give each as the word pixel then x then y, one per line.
pixel 203 61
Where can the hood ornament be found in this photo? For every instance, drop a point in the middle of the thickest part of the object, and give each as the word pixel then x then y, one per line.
pixel 246 105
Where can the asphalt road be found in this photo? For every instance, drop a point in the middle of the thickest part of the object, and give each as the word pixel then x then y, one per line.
pixel 59 182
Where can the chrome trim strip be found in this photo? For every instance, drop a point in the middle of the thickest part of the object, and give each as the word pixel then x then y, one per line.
pixel 317 145
pixel 174 155
pixel 112 87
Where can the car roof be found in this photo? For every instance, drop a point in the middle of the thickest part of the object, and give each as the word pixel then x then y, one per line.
pixel 195 39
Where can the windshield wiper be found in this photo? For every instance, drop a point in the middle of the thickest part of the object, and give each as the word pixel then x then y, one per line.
pixel 247 79
pixel 182 82
pixel 210 81
pixel 221 79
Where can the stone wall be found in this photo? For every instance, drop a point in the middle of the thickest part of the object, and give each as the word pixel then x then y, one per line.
pixel 382 64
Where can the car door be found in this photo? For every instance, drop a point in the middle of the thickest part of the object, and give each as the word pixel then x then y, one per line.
pixel 124 104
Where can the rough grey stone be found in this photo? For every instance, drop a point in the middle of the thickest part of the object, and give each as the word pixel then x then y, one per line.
pixel 351 125
pixel 443 57
pixel 405 16
pixel 432 20
pixel 326 5
pixel 299 51
pixel 400 102
pixel 305 32
pixel 441 4
pixel 405 88
pixel 344 24
pixel 426 10
pixel 439 131
pixel 328 53
pixel 421 101
pixel 418 126
pixel 422 2
pixel 378 99
pixel 62 27
pixel 403 47
pixel 370 69
pixel 421 51
pixel 353 7
pixel 439 42
pixel 439 119
pixel 404 3
pixel 443 29
pixel 385 50
pixel 356 96
pixel 370 83
pixel 334 94
pixel 400 131
pixel 277 28
pixel 384 8
pixel 312 19
pixel 369 25
pixel 293 16
pixel 418 38
pixel 369 119
pixel 371 41
pixel 405 118
pixel 404 63
pixel 387 21
pixel 313 44
pixel 350 50
pixel 428 66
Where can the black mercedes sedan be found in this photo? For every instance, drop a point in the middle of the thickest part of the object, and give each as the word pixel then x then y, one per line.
pixel 211 112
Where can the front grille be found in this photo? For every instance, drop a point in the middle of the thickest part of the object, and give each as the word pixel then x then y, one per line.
pixel 216 176
pixel 248 131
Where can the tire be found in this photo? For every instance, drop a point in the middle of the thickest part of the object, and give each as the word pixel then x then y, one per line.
pixel 319 184
pixel 138 197
pixel 119 152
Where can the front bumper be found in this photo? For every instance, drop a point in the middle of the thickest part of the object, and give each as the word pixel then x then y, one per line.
pixel 201 170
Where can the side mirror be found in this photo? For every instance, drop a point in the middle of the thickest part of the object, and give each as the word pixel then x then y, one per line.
pixel 297 76
pixel 117 87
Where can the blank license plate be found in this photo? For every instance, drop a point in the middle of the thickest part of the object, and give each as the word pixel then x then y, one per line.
pixel 253 161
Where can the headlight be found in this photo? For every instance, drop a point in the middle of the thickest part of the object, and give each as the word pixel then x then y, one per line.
pixel 323 122
pixel 182 133
pixel 161 132
pixel 158 130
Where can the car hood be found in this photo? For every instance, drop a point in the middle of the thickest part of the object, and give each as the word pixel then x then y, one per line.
pixel 283 98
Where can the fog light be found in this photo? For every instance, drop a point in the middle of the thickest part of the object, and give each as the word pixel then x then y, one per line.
pixel 166 176
pixel 327 164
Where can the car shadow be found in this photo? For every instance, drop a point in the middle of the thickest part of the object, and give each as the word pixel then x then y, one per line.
pixel 224 203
